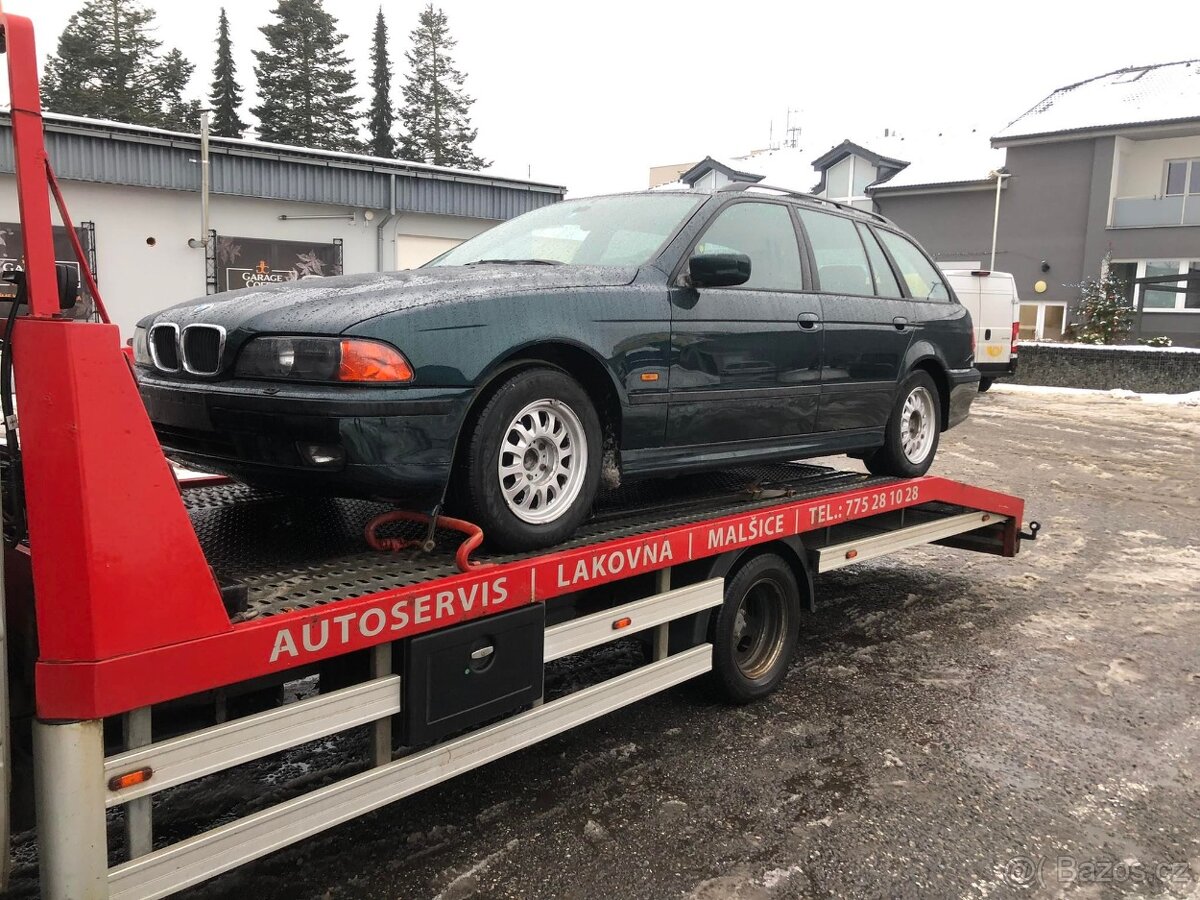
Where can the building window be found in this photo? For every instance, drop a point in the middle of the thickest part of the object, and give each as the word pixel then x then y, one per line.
pixel 1183 176
pixel 1170 301
pixel 1042 321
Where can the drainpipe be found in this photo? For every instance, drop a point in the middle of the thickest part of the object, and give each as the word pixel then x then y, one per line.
pixel 204 181
pixel 999 175
pixel 379 228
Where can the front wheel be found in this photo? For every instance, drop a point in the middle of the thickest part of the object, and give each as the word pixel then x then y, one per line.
pixel 532 462
pixel 911 437
pixel 755 630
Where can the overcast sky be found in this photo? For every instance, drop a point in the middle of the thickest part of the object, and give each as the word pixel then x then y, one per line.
pixel 590 95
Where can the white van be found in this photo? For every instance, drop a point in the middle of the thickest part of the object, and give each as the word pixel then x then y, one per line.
pixel 991 298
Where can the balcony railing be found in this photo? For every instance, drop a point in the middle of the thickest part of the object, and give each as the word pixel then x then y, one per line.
pixel 1156 212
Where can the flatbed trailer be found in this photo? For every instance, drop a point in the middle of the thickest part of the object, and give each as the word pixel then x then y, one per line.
pixel 139 605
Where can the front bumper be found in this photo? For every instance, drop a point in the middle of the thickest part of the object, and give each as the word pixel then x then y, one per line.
pixel 964 388
pixel 391 443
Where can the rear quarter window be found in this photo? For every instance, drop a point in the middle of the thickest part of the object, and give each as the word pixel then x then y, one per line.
pixel 917 272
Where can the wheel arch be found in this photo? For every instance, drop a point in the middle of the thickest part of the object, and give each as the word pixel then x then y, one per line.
pixel 694 630
pixel 570 358
pixel 936 369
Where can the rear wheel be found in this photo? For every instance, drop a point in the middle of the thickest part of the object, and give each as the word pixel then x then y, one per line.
pixel 911 437
pixel 985 384
pixel 755 630
pixel 532 463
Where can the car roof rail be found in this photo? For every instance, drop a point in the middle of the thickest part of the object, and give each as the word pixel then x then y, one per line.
pixel 799 195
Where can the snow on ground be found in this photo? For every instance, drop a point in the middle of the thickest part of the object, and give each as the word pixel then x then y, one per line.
pixel 1189 399
pixel 1143 348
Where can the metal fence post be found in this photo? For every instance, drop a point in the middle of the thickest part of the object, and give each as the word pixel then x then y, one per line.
pixel 72 841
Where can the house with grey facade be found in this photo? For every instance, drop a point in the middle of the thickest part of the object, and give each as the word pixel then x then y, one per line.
pixel 1108 167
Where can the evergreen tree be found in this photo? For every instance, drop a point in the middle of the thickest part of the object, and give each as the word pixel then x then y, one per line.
pixel 177 113
pixel 1105 309
pixel 226 92
pixel 108 66
pixel 381 118
pixel 305 80
pixel 436 112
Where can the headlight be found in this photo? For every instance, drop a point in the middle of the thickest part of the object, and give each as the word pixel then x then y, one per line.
pixel 322 359
pixel 141 347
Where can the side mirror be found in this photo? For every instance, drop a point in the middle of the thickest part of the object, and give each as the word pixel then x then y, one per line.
pixel 68 285
pixel 719 269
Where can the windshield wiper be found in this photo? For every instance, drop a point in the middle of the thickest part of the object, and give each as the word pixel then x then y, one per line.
pixel 516 262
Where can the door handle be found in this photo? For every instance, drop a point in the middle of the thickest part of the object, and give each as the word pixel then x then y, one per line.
pixel 808 321
pixel 900 322
pixel 987 334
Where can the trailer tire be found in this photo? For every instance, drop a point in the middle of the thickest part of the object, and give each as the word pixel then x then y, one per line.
pixel 755 630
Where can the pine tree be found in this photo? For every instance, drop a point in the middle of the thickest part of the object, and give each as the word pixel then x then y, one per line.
pixel 305 80
pixel 1105 310
pixel 381 118
pixel 108 66
pixel 436 112
pixel 226 92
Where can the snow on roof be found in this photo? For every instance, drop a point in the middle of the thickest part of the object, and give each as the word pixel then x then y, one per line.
pixel 931 158
pixel 946 158
pixel 1132 96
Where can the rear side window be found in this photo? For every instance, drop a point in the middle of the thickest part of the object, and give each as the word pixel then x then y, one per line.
pixel 841 261
pixel 764 232
pixel 923 280
pixel 886 284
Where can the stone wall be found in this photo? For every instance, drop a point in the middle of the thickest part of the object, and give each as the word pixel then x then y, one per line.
pixel 1146 370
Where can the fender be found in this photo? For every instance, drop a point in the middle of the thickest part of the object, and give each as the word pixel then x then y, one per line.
pixel 514 361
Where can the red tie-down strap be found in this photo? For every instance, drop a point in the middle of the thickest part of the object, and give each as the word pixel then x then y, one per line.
pixel 393 545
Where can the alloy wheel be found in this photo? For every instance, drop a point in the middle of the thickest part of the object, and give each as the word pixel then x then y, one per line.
pixel 917 423
pixel 543 461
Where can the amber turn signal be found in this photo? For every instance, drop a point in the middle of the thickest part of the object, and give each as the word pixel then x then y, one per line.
pixel 372 361
pixel 622 623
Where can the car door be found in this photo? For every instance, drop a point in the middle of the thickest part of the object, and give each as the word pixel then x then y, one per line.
pixel 937 316
pixel 868 322
pixel 745 360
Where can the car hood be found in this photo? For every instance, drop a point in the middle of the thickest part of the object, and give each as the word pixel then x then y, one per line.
pixel 331 305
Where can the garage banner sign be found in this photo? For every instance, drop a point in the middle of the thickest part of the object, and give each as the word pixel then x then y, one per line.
pixel 12 250
pixel 244 262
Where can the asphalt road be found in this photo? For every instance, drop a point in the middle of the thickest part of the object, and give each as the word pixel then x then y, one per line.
pixel 954 725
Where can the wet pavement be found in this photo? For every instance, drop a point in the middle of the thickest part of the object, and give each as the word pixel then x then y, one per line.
pixel 954 724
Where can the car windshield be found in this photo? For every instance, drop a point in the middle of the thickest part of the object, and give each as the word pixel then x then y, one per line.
pixel 622 230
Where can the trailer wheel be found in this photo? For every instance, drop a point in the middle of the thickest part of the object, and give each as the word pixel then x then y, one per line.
pixel 754 632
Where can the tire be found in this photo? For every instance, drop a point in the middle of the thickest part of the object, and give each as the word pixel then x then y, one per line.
pixel 755 630
pixel 908 449
pixel 985 384
pixel 542 429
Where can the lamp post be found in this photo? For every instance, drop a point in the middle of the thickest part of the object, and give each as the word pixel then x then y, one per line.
pixel 999 175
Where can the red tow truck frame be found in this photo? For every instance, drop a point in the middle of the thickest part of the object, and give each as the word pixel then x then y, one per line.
pixel 129 614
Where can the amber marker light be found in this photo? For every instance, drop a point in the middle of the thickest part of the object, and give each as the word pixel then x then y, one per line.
pixel 624 622
pixel 129 779
pixel 371 361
